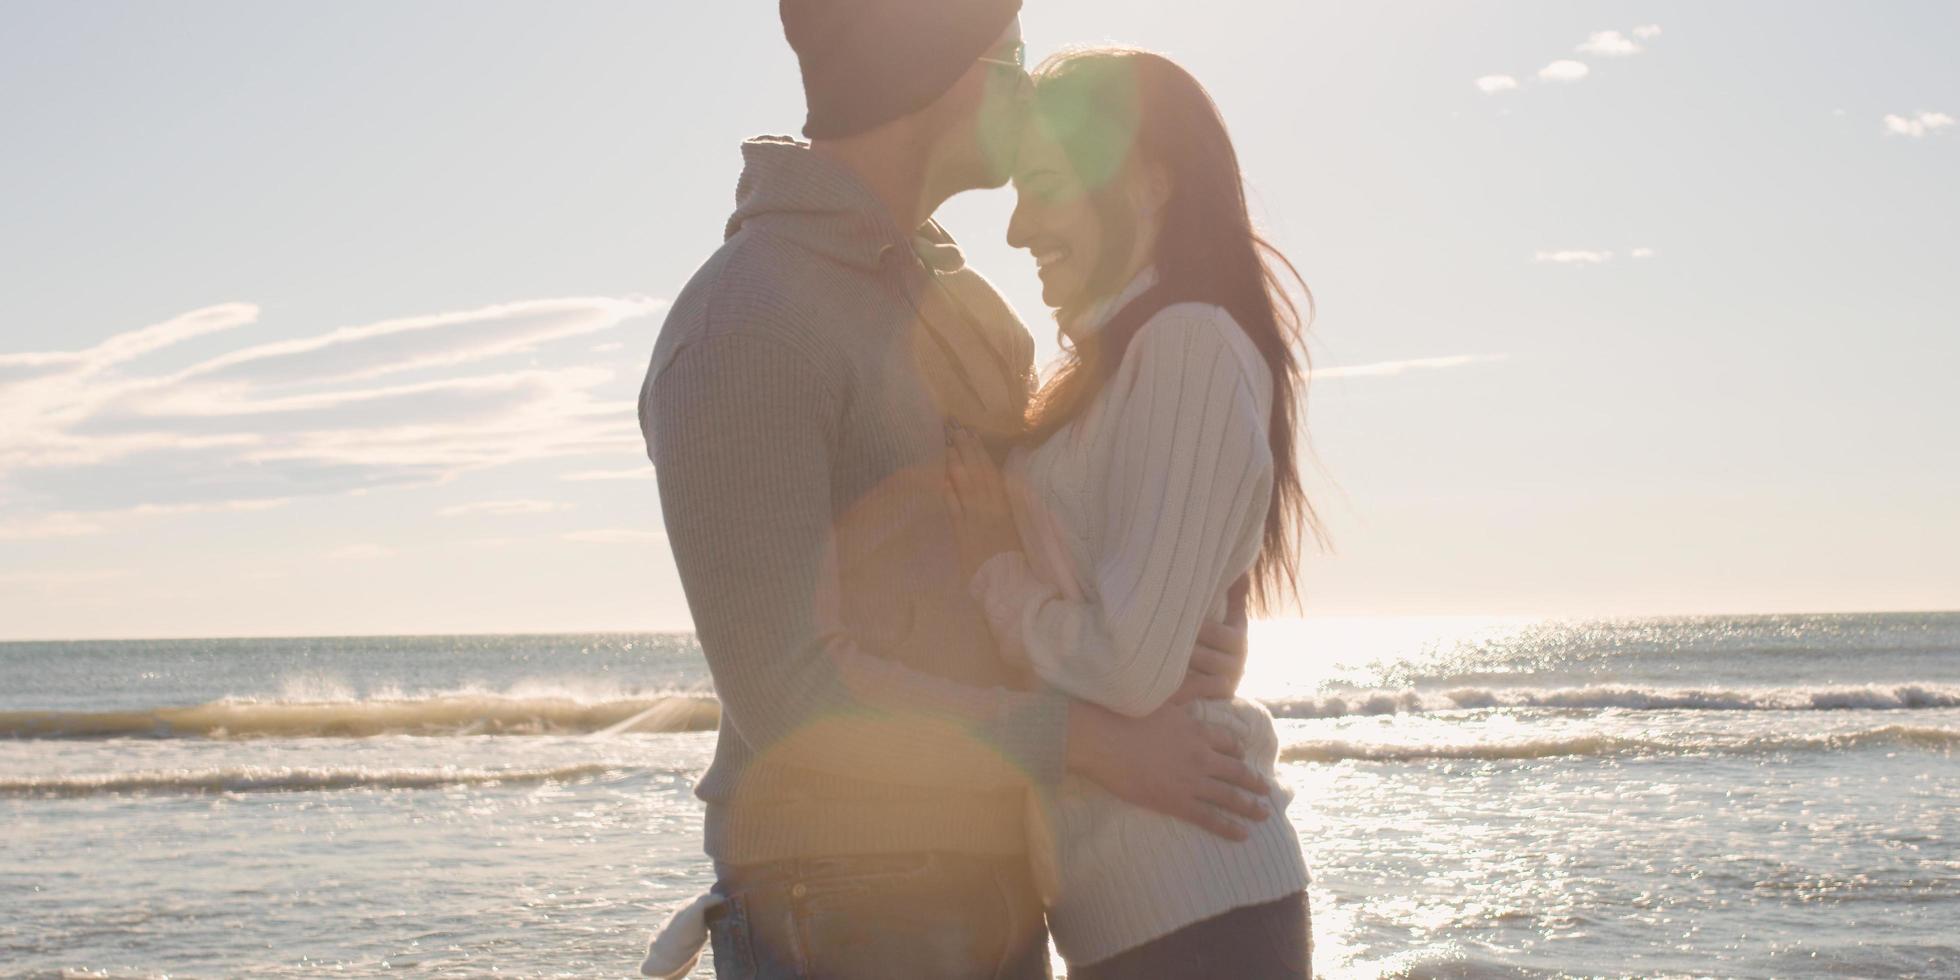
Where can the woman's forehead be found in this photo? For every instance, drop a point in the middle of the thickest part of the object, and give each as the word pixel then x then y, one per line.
pixel 1038 152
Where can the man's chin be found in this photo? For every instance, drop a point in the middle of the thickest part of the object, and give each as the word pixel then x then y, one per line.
pixel 981 182
pixel 989 176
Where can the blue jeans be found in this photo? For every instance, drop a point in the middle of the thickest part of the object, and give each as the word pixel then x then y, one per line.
pixel 911 916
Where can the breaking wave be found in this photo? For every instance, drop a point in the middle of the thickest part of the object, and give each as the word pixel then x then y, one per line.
pixel 443 714
pixel 1890 736
pixel 252 779
pixel 336 713
pixel 1868 697
pixel 259 779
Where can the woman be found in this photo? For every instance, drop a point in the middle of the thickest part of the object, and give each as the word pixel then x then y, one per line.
pixel 1158 470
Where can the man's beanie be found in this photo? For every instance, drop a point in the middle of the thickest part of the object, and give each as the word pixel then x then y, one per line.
pixel 868 62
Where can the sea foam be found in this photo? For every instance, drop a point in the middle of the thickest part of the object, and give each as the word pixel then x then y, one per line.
pixel 550 709
pixel 445 714
pixel 254 779
pixel 1868 697
pixel 1942 740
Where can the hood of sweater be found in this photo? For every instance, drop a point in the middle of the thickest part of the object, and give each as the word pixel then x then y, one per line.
pixel 972 352
pixel 820 205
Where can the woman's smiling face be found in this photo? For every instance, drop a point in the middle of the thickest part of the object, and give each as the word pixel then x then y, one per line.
pixel 1055 220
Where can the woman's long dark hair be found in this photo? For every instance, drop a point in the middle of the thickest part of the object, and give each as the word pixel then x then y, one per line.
pixel 1115 108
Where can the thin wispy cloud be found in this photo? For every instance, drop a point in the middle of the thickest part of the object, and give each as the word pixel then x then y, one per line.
pixel 41 527
pixel 503 508
pixel 498 542
pixel 394 346
pixel 616 535
pixel 61 580
pixel 1493 84
pixel 1917 125
pixel 1573 256
pixel 400 402
pixel 123 347
pixel 361 552
pixel 81 524
pixel 1389 369
pixel 1642 253
pixel 628 473
pixel 1610 44
pixel 1564 70
pixel 1647 32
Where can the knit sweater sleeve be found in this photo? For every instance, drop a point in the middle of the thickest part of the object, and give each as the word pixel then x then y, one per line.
pixel 1189 467
pixel 741 429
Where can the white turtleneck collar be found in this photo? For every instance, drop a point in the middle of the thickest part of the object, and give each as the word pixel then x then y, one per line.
pixel 1091 321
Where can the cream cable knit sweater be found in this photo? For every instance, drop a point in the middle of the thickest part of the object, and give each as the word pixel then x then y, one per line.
pixel 1137 518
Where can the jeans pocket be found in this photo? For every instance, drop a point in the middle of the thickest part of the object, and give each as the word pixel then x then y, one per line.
pixel 900 927
pixel 731 941
pixel 823 881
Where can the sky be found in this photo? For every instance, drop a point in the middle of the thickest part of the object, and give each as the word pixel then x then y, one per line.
pixel 330 318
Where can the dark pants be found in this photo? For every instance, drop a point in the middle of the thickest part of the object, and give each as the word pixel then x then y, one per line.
pixel 1273 941
pixel 912 916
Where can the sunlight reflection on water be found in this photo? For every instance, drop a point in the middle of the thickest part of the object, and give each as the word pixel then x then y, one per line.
pixel 1742 796
pixel 1292 657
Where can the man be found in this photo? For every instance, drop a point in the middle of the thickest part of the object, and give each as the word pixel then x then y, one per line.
pixel 866 807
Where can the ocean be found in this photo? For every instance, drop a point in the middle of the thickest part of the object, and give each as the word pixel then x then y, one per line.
pixel 1766 796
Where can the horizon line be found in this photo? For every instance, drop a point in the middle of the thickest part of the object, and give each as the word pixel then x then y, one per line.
pixel 689 630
